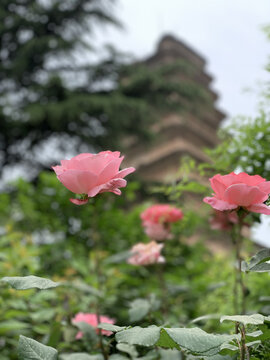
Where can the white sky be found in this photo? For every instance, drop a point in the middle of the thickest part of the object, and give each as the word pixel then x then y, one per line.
pixel 228 33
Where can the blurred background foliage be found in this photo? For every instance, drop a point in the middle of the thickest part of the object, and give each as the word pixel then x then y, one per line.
pixel 45 235
pixel 50 98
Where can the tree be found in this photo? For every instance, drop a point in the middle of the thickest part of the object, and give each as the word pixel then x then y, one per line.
pixel 51 94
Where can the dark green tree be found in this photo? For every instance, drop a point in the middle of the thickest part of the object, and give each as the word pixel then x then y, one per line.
pixel 51 94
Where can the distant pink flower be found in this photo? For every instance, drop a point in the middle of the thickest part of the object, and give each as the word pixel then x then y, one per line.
pixel 223 220
pixel 233 191
pixel 91 174
pixel 161 213
pixel 157 220
pixel 91 319
pixel 157 232
pixel 146 254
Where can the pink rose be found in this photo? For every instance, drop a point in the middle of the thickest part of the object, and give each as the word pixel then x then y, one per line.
pixel 91 174
pixel 91 319
pixel 157 231
pixel 223 220
pixel 161 213
pixel 146 254
pixel 157 218
pixel 239 190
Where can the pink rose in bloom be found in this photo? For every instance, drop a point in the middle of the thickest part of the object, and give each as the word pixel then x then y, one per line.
pixel 223 220
pixel 239 190
pixel 157 231
pixel 146 254
pixel 91 174
pixel 157 218
pixel 161 213
pixel 91 319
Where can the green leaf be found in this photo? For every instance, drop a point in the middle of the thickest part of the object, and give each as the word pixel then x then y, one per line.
pixel 84 288
pixel 255 319
pixel 139 336
pixel 258 263
pixel 204 318
pixel 197 341
pixel 117 258
pixel 43 315
pixel 111 327
pixel 81 356
pixel 129 349
pixel 12 325
pixel 194 340
pixel 169 354
pixel 30 349
pixel 165 341
pixel 88 331
pixel 29 282
pixel 139 308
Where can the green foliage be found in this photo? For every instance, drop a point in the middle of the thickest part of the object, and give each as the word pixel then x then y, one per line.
pixel 258 262
pixel 194 340
pixel 244 146
pixel 254 319
pixel 29 282
pixel 81 356
pixel 33 350
pixel 141 82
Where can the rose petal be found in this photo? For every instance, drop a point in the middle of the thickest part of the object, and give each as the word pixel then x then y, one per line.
pixel 244 195
pixel 259 208
pixel 125 172
pixel 111 186
pixel 265 187
pixel 78 181
pixel 58 169
pixel 110 171
pixel 82 156
pixel 251 180
pixel 218 187
pixel 218 204
pixel 79 335
pixel 78 201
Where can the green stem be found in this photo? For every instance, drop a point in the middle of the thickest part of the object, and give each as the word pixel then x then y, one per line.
pixel 103 350
pixel 98 274
pixel 163 288
pixel 239 304
pixel 244 353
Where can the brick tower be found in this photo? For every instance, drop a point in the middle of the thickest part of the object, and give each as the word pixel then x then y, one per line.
pixel 176 133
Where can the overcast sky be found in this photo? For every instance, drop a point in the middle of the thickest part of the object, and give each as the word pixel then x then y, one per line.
pixel 228 33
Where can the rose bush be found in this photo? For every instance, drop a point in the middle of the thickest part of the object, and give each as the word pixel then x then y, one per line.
pixel 90 174
pixel 235 191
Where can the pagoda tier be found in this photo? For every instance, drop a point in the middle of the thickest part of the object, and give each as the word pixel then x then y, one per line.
pixel 177 134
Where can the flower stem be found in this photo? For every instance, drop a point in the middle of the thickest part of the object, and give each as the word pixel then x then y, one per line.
pixel 239 304
pixel 244 352
pixel 98 273
pixel 103 350
pixel 163 288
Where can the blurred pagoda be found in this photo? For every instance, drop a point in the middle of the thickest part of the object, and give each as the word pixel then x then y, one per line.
pixel 175 83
